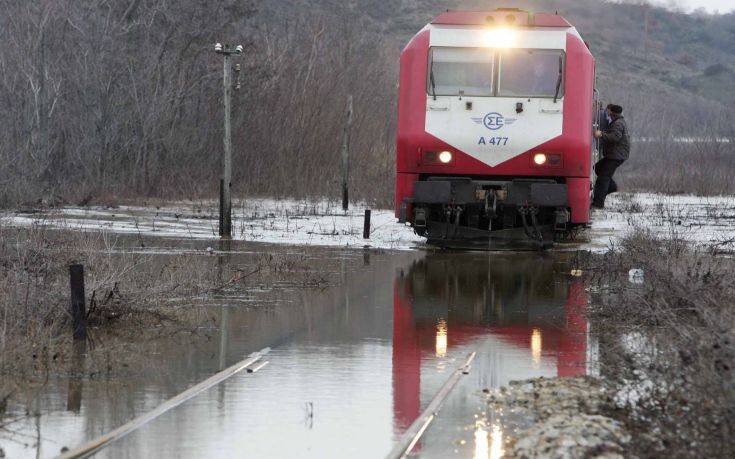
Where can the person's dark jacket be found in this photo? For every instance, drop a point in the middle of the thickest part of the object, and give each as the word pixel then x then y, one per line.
pixel 616 140
pixel 603 123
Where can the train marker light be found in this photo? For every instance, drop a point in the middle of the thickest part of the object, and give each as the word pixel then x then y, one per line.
pixel 445 157
pixel 539 158
pixel 500 38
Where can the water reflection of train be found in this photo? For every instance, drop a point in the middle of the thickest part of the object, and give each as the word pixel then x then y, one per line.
pixel 523 314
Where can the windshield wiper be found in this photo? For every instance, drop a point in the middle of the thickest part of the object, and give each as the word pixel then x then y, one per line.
pixel 558 80
pixel 431 79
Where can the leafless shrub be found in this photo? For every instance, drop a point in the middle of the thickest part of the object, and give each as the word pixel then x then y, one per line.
pixel 628 204
pixel 34 283
pixel 126 290
pixel 673 350
pixel 124 99
pixel 701 166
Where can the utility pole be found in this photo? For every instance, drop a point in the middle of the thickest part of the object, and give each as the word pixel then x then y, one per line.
pixel 225 204
pixel 645 32
pixel 346 154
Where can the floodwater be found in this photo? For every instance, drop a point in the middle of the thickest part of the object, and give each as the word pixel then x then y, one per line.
pixel 698 219
pixel 351 365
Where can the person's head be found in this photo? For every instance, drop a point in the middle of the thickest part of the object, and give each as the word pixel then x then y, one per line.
pixel 614 110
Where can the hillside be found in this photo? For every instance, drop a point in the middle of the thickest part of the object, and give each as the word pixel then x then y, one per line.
pixel 666 50
pixel 650 49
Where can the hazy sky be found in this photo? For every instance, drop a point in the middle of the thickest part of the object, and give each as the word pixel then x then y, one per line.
pixel 724 6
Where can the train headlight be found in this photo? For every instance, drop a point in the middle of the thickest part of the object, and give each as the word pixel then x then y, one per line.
pixel 445 157
pixel 500 38
pixel 539 159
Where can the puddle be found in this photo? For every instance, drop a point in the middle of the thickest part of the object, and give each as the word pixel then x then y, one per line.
pixel 351 365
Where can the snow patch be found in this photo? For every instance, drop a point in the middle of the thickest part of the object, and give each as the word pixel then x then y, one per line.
pixel 697 219
pixel 258 220
pixel 701 220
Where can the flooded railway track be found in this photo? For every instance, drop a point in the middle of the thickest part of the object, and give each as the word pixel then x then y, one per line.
pixel 358 362
pixel 252 364
pixel 415 431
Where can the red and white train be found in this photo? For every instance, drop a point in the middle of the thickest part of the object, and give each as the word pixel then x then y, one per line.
pixel 495 119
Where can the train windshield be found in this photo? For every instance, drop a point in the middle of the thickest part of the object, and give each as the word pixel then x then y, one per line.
pixel 530 73
pixel 469 70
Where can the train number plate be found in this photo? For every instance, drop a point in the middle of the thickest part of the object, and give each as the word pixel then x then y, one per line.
pixel 496 141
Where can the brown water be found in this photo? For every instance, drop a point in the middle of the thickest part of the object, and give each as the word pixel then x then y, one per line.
pixel 351 365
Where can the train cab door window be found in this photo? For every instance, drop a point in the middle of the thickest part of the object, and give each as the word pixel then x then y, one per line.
pixel 531 73
pixel 469 70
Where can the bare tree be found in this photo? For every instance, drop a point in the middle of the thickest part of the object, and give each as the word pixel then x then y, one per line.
pixel 122 99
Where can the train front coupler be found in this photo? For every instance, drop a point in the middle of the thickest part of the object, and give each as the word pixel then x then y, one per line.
pixel 489 214
pixel 532 230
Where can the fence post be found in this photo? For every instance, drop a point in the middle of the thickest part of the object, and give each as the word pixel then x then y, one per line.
pixel 221 207
pixel 346 154
pixel 78 309
pixel 366 225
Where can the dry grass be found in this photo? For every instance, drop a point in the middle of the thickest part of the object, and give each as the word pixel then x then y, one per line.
pixel 703 167
pixel 121 289
pixel 670 343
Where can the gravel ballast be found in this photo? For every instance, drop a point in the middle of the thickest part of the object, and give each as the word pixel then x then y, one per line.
pixel 558 418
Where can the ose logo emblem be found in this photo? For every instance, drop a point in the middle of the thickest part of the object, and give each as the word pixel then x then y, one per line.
pixel 493 121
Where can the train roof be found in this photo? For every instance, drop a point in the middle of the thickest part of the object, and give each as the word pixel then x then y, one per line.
pixel 501 16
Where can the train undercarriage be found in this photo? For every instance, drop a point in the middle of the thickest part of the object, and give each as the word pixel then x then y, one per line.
pixel 468 213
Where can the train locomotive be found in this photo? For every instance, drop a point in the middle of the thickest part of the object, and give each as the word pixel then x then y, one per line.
pixel 494 136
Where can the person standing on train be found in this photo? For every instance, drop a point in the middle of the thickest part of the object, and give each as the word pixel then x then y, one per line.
pixel 615 150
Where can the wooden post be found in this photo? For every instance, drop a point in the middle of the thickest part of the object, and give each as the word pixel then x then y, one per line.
pixel 221 207
pixel 226 203
pixel 366 225
pixel 346 154
pixel 78 310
